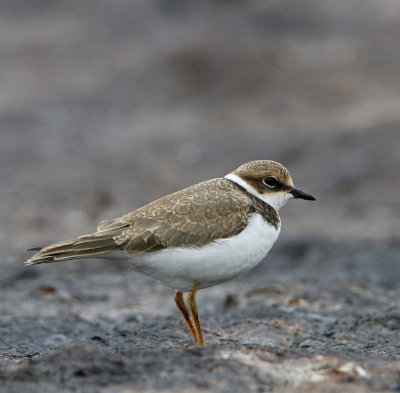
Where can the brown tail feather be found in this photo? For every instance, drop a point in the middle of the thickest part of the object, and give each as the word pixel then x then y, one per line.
pixel 84 246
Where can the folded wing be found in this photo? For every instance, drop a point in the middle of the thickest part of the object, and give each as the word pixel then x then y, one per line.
pixel 193 217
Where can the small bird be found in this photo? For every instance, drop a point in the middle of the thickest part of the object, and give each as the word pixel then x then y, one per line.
pixel 195 238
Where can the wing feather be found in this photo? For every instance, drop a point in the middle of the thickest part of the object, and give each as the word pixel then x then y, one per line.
pixel 193 217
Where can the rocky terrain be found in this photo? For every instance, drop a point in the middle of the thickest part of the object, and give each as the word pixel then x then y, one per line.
pixel 109 105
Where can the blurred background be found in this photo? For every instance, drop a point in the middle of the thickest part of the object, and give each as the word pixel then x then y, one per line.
pixel 107 105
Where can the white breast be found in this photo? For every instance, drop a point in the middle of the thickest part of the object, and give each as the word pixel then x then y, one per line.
pixel 220 261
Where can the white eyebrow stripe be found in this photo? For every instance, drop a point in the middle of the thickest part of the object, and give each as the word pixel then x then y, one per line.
pixel 274 199
pixel 236 179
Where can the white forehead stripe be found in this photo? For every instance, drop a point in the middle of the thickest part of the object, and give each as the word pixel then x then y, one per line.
pixel 274 199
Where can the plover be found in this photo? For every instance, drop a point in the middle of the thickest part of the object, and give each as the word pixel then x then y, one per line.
pixel 195 238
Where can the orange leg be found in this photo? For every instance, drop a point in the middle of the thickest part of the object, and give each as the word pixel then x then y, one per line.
pixel 180 303
pixel 195 317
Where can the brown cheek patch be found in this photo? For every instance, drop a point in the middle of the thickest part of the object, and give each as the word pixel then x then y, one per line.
pixel 257 185
pixel 261 188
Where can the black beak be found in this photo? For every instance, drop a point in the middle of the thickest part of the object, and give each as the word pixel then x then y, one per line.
pixel 301 195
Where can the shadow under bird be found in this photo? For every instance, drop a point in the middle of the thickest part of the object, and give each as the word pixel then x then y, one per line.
pixel 195 238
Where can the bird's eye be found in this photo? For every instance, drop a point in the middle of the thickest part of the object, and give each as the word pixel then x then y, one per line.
pixel 270 181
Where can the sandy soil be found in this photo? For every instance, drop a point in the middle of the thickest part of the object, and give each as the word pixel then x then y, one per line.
pixel 109 106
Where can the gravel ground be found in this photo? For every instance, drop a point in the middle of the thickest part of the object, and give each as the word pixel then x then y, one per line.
pixel 109 106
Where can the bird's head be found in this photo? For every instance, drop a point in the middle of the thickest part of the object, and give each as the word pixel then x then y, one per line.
pixel 268 181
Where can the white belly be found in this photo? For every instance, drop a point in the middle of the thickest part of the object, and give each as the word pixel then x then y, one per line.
pixel 220 261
